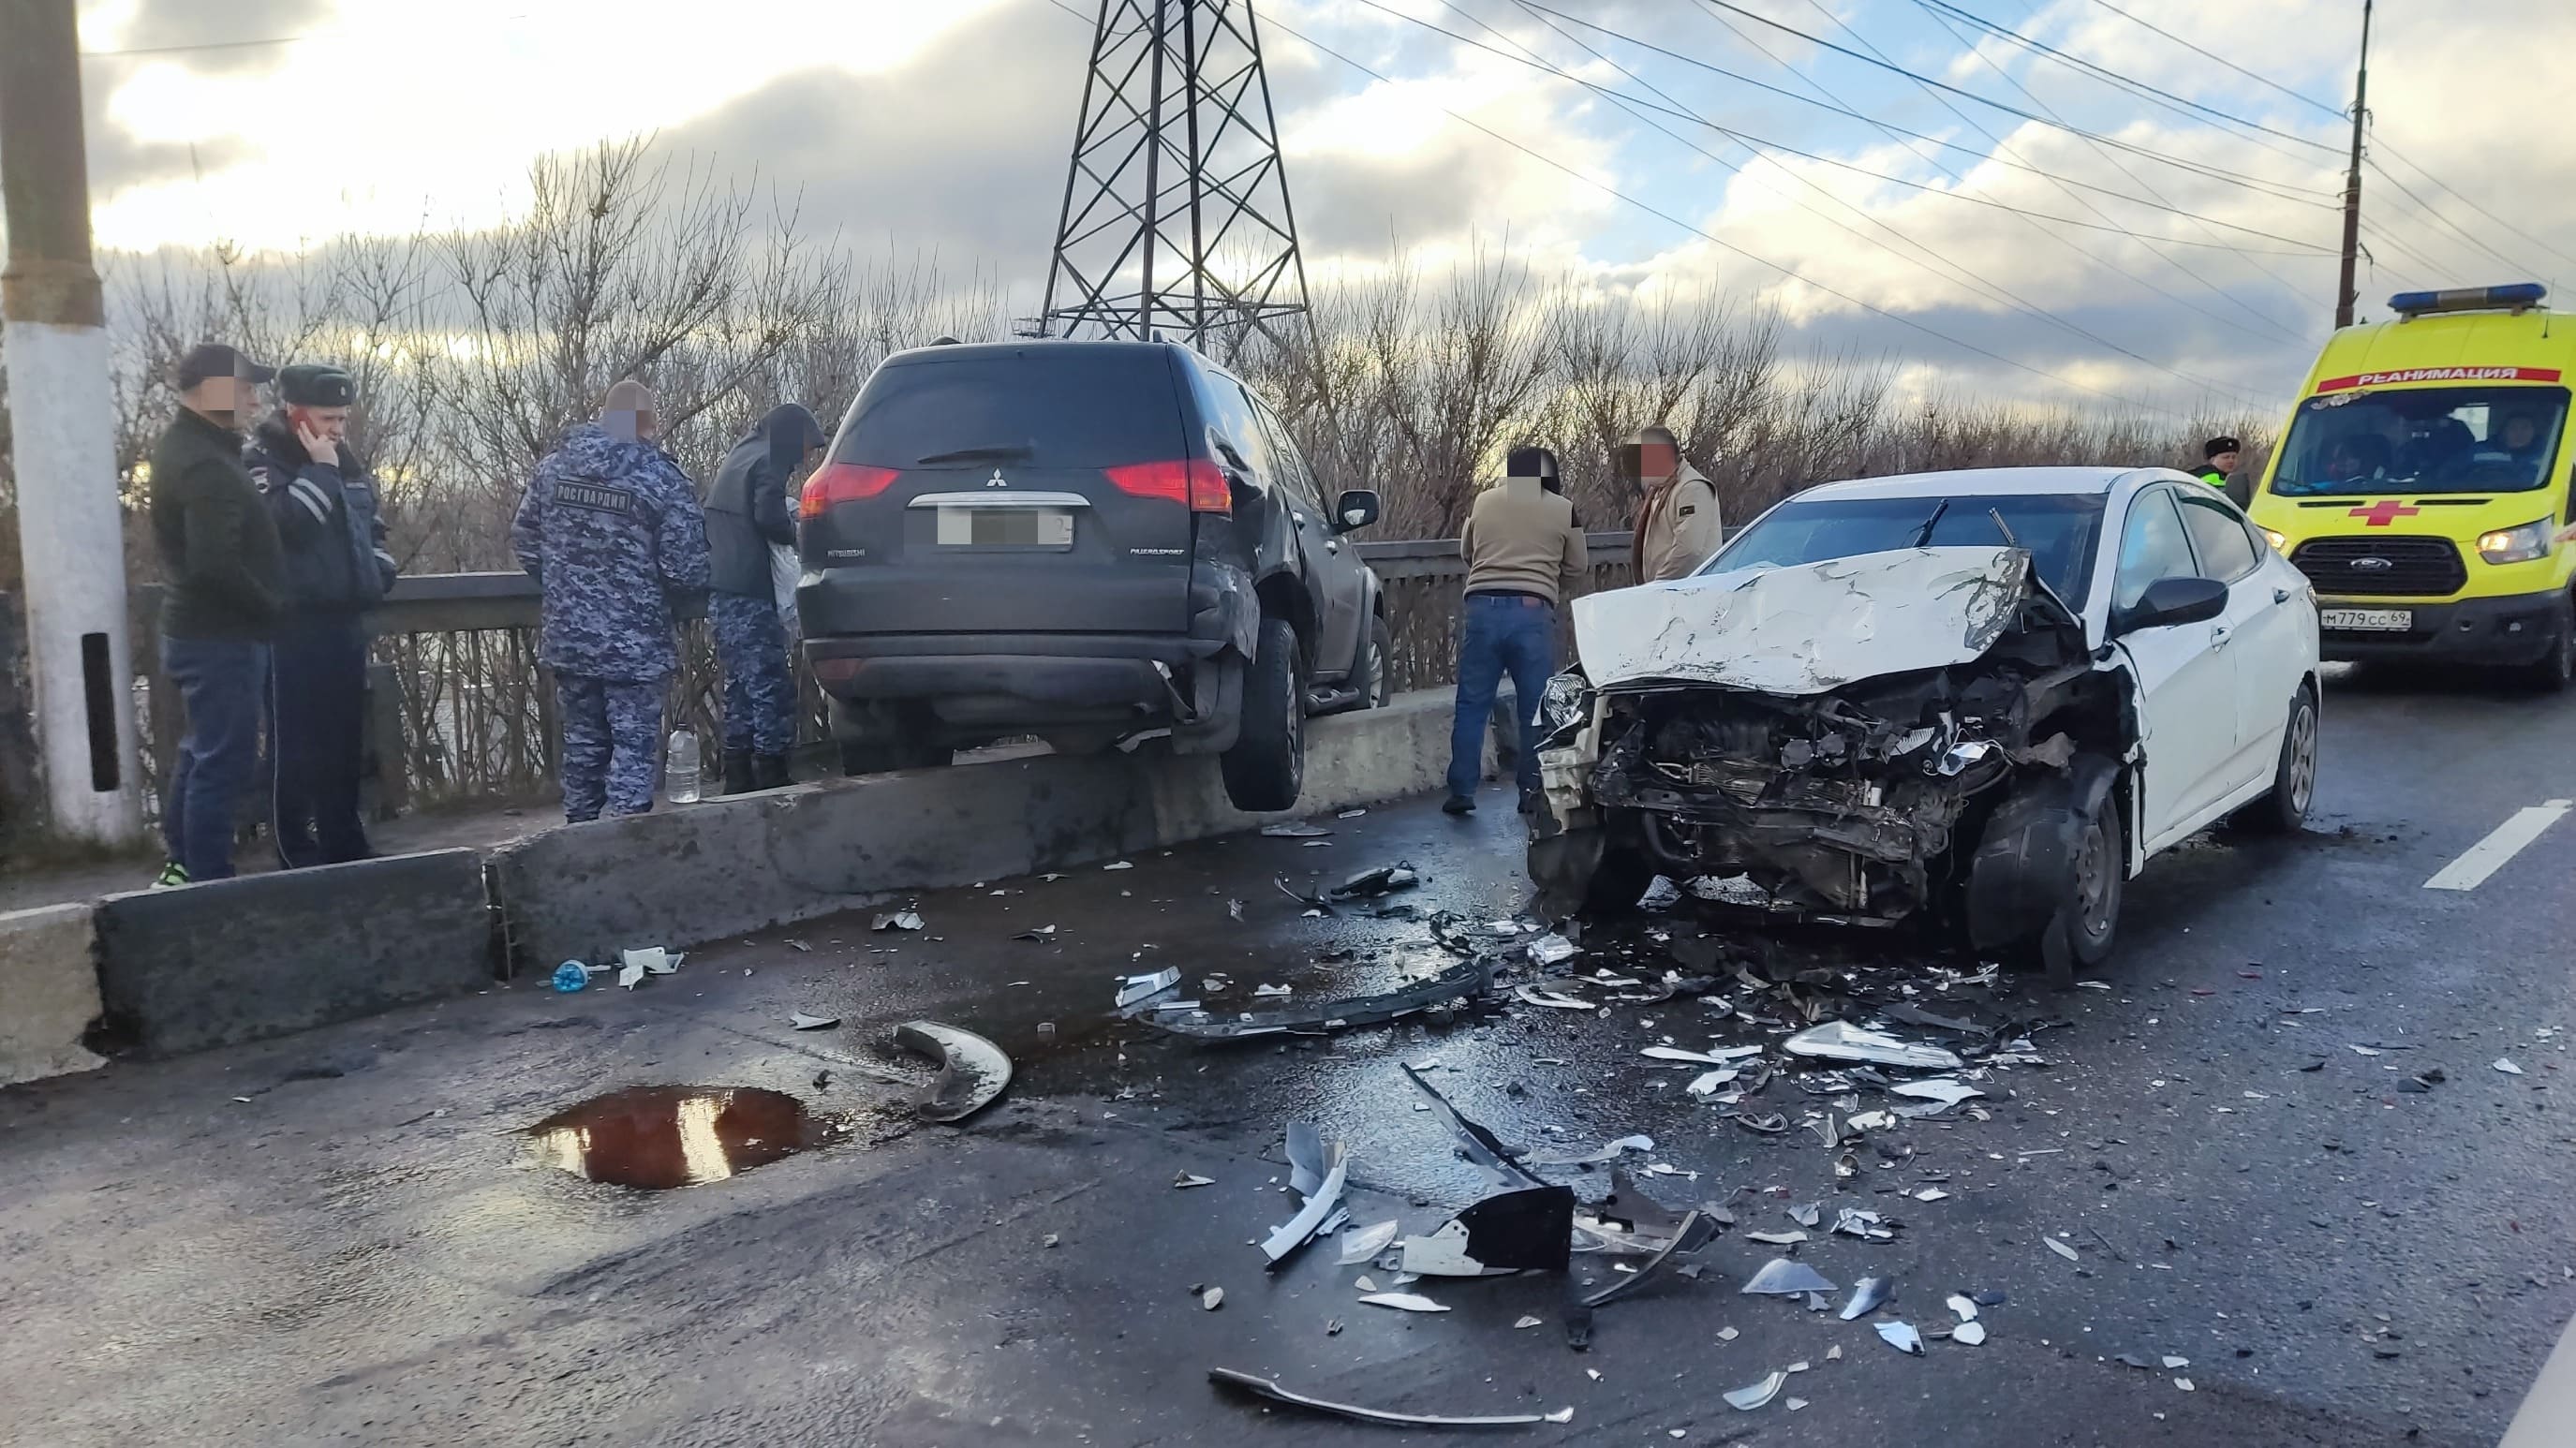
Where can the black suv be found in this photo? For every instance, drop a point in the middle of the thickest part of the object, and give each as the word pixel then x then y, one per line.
pixel 1084 541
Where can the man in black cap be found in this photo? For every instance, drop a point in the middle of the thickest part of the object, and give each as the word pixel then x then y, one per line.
pixel 336 567
pixel 2219 458
pixel 221 579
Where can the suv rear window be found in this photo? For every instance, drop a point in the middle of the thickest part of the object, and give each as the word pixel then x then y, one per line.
pixel 1043 407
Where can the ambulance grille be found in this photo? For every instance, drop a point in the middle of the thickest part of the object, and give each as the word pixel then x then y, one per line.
pixel 2353 567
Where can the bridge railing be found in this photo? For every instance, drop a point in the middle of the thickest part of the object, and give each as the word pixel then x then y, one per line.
pixel 458 709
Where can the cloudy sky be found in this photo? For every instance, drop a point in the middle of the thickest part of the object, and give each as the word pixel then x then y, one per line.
pixel 2006 221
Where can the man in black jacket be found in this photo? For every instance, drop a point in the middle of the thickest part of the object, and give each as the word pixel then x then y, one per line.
pixel 747 515
pixel 221 575
pixel 336 567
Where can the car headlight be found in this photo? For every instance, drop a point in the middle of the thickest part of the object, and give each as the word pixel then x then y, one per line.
pixel 1567 700
pixel 2516 545
pixel 2280 541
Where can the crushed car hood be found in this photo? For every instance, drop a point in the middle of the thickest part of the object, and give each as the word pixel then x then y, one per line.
pixel 1806 629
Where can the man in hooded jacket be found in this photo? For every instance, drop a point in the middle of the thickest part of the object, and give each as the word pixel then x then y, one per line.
pixel 1677 522
pixel 747 513
pixel 611 528
pixel 336 567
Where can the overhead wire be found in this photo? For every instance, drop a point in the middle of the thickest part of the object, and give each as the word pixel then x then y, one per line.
pixel 1952 269
pixel 2221 60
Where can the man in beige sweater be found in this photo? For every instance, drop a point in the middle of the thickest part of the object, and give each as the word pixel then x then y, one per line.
pixel 1525 559
pixel 1677 517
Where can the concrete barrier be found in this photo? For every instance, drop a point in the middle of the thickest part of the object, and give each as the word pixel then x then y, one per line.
pixel 702 872
pixel 48 992
pixel 262 955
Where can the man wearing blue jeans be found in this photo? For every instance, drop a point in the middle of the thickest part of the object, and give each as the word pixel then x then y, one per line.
pixel 1525 558
pixel 223 581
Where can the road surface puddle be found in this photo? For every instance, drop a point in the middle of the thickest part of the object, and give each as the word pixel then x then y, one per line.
pixel 658 1137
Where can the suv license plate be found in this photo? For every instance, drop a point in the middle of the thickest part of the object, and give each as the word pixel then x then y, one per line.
pixel 2367 620
pixel 1006 527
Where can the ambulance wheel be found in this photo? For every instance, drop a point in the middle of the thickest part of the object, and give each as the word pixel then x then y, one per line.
pixel 2557 669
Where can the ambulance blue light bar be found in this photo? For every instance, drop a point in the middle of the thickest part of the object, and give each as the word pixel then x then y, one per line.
pixel 2514 297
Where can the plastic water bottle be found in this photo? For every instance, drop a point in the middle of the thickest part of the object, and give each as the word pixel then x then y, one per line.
pixel 680 768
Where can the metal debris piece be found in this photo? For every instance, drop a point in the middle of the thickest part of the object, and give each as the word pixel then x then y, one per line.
pixel 1321 1203
pixel 1273 992
pixel 1783 1277
pixel 1212 1299
pixel 1759 1394
pixel 1706 1084
pixel 2171 1362
pixel 1553 949
pixel 803 1022
pixel 1531 1230
pixel 1808 1215
pixel 1308 1159
pixel 1947 1091
pixel 1270 1389
pixel 1468 978
pixel 1902 1337
pixel 2506 1065
pixel 1183 1180
pixel 1962 1308
pixel 1532 995
pixel 1868 1226
pixel 1364 1244
pixel 1720 1056
pixel 899 920
pixel 1776 1239
pixel 1384 880
pixel 2183 1383
pixel 1134 988
pixel 1971 1333
pixel 1606 1152
pixel 972 1071
pixel 1794 1404
pixel 1529 1322
pixel 1843 1041
pixel 2061 1249
pixel 1294 830
pixel 1868 1295
pixel 1871 1121
pixel 1120 865
pixel 1497 1155
pixel 1404 1302
pixel 1696 1231
pixel 1931 1194
pixel 1315 904
pixel 1043 932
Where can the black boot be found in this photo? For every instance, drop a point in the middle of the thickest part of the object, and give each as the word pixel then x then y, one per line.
pixel 769 771
pixel 738 777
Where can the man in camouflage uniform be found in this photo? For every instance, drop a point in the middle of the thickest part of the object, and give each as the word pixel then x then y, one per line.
pixel 748 514
pixel 611 529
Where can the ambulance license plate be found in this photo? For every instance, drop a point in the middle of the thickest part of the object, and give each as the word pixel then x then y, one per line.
pixel 2367 620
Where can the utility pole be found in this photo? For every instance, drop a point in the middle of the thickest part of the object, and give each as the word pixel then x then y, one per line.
pixel 2345 295
pixel 62 417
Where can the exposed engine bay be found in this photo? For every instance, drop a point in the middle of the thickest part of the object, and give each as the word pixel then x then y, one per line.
pixel 1859 798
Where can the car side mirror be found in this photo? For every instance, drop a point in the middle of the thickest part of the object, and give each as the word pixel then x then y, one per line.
pixel 2170 601
pixel 1357 509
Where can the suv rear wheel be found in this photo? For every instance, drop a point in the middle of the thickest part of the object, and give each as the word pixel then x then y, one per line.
pixel 1266 768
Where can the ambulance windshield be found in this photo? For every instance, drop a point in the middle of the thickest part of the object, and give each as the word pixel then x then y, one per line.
pixel 2423 440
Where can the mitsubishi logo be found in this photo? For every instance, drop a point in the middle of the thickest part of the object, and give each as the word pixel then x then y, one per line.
pixel 997 480
pixel 2373 565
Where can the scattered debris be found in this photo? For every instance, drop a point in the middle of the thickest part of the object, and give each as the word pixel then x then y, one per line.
pixel 1868 1295
pixel 1843 1041
pixel 1931 1194
pixel 1320 1203
pixel 1184 1180
pixel 2172 1363
pixel 1553 949
pixel 899 920
pixel 1794 1404
pixel 804 1022
pixel 1273 992
pixel 2183 1383
pixel 1043 932
pixel 1719 1057
pixel 1902 1337
pixel 2061 1249
pixel 1532 995
pixel 1212 1299
pixel 1384 880
pixel 1134 988
pixel 1469 978
pixel 1943 1089
pixel 1784 1277
pixel 1971 1333
pixel 1294 830
pixel 1727 1334
pixel 1364 1244
pixel 2506 1065
pixel 1496 1155
pixel 1868 1226
pixel 1697 1229
pixel 630 975
pixel 1961 1308
pixel 1404 1302
pixel 1706 1084
pixel 1527 1230
pixel 1809 1215
pixel 1758 1395
pixel 1776 1239
pixel 1267 1388
pixel 972 1071
pixel 1120 865
pixel 1608 1151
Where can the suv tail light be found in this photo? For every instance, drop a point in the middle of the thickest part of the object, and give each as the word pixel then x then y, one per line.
pixel 1197 482
pixel 842 483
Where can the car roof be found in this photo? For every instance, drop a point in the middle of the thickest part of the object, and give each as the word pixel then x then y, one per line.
pixel 1051 346
pixel 2004 482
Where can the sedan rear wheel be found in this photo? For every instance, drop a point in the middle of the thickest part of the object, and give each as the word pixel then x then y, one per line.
pixel 2294 775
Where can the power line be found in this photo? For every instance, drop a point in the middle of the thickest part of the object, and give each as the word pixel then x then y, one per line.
pixel 2427 208
pixel 2336 111
pixel 128 52
pixel 2380 143
pixel 1957 271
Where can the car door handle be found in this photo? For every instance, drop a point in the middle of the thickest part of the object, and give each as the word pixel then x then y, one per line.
pixel 2219 635
pixel 2280 595
pixel 1333 547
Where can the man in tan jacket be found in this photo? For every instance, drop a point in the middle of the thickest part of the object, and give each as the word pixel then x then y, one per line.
pixel 1677 517
pixel 1525 559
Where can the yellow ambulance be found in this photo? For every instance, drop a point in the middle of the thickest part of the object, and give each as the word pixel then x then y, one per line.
pixel 2423 480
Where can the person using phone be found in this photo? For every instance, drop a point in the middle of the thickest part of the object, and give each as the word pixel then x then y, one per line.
pixel 336 567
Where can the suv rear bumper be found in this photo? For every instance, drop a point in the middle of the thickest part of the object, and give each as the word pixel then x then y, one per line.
pixel 2512 630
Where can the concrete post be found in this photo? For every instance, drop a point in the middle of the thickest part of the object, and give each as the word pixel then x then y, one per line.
pixel 62 416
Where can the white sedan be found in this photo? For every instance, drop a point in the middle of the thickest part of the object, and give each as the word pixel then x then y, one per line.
pixel 1991 694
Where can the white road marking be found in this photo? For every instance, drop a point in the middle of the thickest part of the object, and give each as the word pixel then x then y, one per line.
pixel 2489 855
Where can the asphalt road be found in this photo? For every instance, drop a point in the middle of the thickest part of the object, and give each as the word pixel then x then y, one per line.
pixel 367 1250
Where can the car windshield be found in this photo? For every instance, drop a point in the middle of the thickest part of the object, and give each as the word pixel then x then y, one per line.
pixel 2057 528
pixel 2422 440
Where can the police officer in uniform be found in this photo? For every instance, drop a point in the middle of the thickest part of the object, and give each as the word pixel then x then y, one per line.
pixel 611 529
pixel 2219 458
pixel 336 567
pixel 747 513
